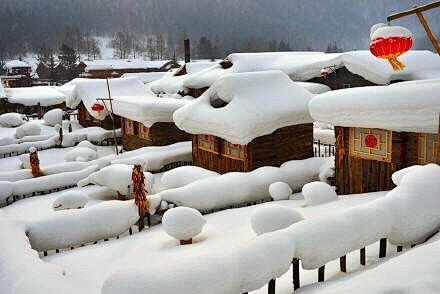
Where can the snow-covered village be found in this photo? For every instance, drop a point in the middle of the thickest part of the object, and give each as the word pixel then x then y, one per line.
pixel 188 147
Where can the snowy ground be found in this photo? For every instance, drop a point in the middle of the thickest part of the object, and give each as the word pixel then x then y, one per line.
pixel 226 230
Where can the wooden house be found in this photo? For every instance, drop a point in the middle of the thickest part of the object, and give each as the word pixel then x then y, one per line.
pixel 17 74
pixel 249 120
pixel 148 121
pixel 115 68
pixel 380 130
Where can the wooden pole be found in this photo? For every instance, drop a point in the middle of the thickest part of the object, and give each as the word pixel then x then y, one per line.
pixel 187 49
pixel 321 274
pixel 295 273
pixel 271 287
pixel 343 263
pixel 362 256
pixel 111 115
pixel 383 248
pixel 431 36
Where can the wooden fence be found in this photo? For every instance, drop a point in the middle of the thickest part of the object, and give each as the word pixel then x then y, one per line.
pixel 323 150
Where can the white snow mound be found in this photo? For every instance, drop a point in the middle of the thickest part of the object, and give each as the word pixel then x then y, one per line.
pixel 70 200
pixel 28 129
pixel 54 117
pixel 183 223
pixel 81 154
pixel 184 175
pixel 280 191
pixel 87 144
pixel 398 175
pixel 271 218
pixel 316 193
pixel 10 120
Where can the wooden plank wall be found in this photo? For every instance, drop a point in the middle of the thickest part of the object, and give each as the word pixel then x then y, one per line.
pixel 87 122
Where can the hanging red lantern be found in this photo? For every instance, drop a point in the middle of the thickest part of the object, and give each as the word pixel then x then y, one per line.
pixel 324 73
pixel 98 108
pixel 226 64
pixel 389 42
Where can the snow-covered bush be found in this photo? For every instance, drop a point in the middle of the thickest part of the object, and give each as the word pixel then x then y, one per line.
pixel 70 200
pixel 280 191
pixel 4 141
pixel 28 129
pixel 398 175
pixel 416 205
pixel 80 154
pixel 116 177
pixel 316 193
pixel 183 223
pixel 184 175
pixel 271 218
pixel 87 144
pixel 54 117
pixel 11 120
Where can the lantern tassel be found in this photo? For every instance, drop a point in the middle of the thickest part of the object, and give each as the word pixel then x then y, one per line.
pixel 396 64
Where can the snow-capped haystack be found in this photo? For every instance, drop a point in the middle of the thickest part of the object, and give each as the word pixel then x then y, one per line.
pixel 316 193
pixel 54 117
pixel 241 107
pixel 11 120
pixel 116 177
pixel 81 154
pixel 280 191
pixel 87 144
pixel 398 175
pixel 416 206
pixel 183 223
pixel 271 218
pixel 385 107
pixel 184 175
pixel 70 200
pixel 28 129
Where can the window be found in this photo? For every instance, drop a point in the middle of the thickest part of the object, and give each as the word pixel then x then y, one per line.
pixel 428 147
pixel 128 126
pixel 207 143
pixel 144 132
pixel 373 144
pixel 234 151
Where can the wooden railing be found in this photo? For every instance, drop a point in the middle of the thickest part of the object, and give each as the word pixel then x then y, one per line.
pixel 323 150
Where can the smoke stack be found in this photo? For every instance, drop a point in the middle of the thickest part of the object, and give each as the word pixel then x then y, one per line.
pixel 187 50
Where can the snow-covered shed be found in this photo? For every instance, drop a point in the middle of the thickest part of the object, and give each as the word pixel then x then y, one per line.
pixel 248 120
pixel 32 100
pixel 18 73
pixel 380 130
pixel 84 95
pixel 343 70
pixel 148 120
pixel 117 67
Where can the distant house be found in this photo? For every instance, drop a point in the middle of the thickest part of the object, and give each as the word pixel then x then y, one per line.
pixel 249 120
pixel 84 95
pixel 117 67
pixel 148 120
pixel 380 130
pixel 17 74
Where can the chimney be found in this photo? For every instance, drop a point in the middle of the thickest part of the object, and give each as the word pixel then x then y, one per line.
pixel 187 51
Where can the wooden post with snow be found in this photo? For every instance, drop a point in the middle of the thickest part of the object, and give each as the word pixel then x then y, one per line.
pixel 139 194
pixel 295 273
pixel 35 163
pixel 383 248
pixel 271 287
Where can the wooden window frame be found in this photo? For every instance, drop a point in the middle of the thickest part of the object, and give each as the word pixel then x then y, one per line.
pixel 423 138
pixel 226 148
pixel 140 129
pixel 369 155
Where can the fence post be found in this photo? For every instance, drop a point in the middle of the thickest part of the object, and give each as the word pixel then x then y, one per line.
pixel 321 273
pixel 362 256
pixel 343 263
pixel 383 248
pixel 271 287
pixel 295 273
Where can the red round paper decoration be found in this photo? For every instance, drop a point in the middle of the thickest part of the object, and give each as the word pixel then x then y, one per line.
pixel 370 141
pixel 97 107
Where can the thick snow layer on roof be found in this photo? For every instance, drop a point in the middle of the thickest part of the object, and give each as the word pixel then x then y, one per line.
pixel 89 90
pixel 147 109
pixel 314 88
pixel 257 105
pixel 411 107
pixel 109 64
pixel 301 66
pixel 15 63
pixel 28 96
pixel 196 66
pixel 145 77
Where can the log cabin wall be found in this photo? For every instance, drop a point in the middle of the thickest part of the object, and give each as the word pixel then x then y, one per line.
pixel 86 120
pixel 356 175
pixel 289 143
pixel 342 79
pixel 160 134
pixel 196 93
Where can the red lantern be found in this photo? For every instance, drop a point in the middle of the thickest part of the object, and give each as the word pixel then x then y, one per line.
pixel 389 43
pixel 98 108
pixel 324 73
pixel 226 64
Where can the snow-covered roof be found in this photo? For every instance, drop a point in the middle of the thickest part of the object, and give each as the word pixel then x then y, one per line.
pixel 314 88
pixel 89 90
pixel 15 63
pixel 147 109
pixel 115 64
pixel 45 95
pixel 409 106
pixel 303 66
pixel 257 104
pixel 145 77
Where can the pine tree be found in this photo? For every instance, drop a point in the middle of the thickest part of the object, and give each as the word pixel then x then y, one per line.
pixel 68 58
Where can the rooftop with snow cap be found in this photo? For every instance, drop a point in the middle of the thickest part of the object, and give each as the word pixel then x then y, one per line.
pixel 147 109
pixel 303 66
pixel 146 77
pixel 89 91
pixel 15 63
pixel 115 64
pixel 404 107
pixel 45 95
pixel 247 106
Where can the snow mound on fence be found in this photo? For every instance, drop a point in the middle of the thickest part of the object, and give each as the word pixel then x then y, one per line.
pixel 237 188
pixel 67 228
pixel 4 141
pixel 70 200
pixel 81 154
pixel 116 176
pixel 87 144
pixel 280 191
pixel 271 218
pixel 183 223
pixel 316 193
pixel 184 175
pixel 398 175
pixel 28 129
pixel 54 117
pixel 11 120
